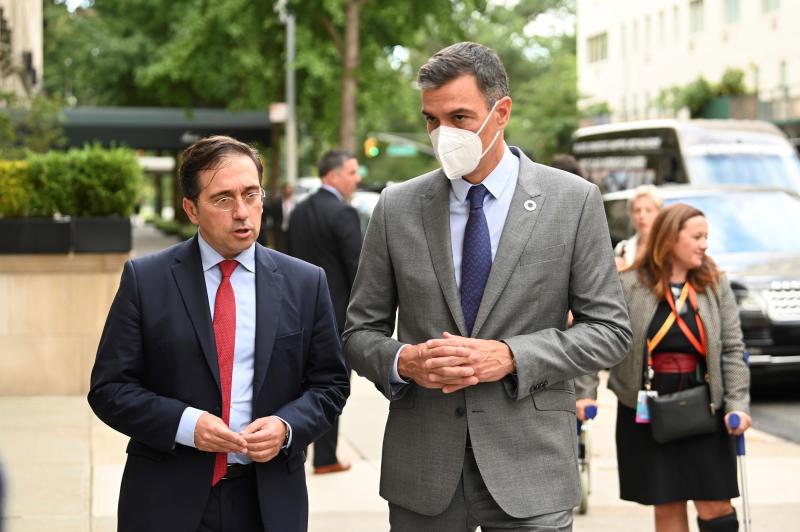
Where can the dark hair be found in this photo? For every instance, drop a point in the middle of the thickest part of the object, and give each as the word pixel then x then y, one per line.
pixel 207 154
pixel 331 160
pixel 568 163
pixel 466 58
pixel 655 264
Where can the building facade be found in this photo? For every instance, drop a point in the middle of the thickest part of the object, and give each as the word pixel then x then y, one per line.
pixel 629 51
pixel 21 52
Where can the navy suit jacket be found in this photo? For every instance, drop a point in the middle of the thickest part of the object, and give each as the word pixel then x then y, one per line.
pixel 157 355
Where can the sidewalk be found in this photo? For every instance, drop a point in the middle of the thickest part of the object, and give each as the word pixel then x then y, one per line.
pixel 63 469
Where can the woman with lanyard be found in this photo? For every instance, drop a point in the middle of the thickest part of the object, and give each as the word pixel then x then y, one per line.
pixel 686 333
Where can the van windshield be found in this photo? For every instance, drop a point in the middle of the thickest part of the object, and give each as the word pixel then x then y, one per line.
pixel 749 222
pixel 766 170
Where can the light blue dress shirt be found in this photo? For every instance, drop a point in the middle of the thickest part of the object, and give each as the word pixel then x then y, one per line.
pixel 333 191
pixel 501 184
pixel 243 282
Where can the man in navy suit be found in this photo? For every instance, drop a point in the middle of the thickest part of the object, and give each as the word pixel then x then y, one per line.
pixel 221 360
pixel 325 230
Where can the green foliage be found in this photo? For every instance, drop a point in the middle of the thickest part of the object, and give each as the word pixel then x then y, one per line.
pixel 732 83
pixel 198 53
pixel 697 94
pixel 15 191
pixel 28 125
pixel 91 181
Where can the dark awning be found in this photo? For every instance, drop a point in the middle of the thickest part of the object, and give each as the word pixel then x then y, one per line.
pixel 165 128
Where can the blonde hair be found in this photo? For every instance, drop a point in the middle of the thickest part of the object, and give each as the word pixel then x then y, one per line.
pixel 646 191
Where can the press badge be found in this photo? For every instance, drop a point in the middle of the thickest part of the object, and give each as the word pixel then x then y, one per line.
pixel 642 412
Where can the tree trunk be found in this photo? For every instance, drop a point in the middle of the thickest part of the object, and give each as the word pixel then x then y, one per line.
pixel 349 117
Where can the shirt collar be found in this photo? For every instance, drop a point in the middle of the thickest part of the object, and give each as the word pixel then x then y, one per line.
pixel 333 191
pixel 495 182
pixel 211 257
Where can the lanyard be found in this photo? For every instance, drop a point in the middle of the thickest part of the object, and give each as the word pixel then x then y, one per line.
pixel 701 346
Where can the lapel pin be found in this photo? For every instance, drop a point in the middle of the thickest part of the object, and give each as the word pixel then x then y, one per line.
pixel 529 205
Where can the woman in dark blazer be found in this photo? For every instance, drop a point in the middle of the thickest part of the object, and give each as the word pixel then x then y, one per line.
pixel 701 342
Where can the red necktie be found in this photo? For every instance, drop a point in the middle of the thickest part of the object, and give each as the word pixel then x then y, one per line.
pixel 225 334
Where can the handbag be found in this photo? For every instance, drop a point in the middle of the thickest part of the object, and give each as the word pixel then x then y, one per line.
pixel 682 414
pixel 686 412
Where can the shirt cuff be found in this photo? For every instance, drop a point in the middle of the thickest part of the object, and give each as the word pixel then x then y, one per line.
pixel 289 439
pixel 395 380
pixel 185 435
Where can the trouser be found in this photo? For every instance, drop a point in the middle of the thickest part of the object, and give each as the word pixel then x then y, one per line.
pixel 233 504
pixel 474 506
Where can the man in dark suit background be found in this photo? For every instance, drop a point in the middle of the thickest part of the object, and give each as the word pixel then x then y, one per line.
pixel 221 360
pixel 324 230
pixel 276 219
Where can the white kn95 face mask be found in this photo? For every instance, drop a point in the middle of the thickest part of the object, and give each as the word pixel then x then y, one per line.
pixel 459 150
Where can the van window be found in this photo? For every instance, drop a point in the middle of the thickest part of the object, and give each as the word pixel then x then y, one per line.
pixel 745 169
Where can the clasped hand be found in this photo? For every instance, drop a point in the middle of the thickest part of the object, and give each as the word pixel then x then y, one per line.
pixel 453 362
pixel 261 440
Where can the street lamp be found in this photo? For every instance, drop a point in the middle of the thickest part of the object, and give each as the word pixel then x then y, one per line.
pixel 291 122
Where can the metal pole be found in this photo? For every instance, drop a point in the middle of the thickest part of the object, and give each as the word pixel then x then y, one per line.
pixel 291 122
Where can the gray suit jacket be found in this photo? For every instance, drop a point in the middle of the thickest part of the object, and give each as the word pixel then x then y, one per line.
pixel 729 377
pixel 549 260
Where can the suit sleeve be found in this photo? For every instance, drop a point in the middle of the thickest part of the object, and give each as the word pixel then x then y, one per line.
pixel 735 373
pixel 116 393
pixel 348 234
pixel 368 342
pixel 601 332
pixel 326 380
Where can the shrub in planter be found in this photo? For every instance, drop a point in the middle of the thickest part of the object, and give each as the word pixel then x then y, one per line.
pixel 19 198
pixel 101 187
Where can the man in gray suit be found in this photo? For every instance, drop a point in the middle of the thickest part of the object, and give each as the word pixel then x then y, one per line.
pixel 481 261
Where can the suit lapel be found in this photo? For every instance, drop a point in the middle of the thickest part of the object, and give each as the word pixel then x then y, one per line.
pixel 436 221
pixel 517 230
pixel 188 274
pixel 269 297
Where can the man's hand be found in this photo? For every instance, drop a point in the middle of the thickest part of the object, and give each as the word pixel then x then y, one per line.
pixel 412 364
pixel 211 434
pixel 265 437
pixel 489 360
pixel 580 407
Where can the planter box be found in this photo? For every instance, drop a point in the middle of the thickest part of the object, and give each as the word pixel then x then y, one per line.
pixel 34 235
pixel 101 235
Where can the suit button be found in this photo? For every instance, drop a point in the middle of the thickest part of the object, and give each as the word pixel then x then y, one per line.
pixel 460 411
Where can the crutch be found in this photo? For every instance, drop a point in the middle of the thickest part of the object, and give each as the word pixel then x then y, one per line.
pixel 585 450
pixel 734 421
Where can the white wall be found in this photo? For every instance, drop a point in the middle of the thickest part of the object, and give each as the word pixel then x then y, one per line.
pixel 634 73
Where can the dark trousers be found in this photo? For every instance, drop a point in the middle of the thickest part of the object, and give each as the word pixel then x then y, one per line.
pixel 233 506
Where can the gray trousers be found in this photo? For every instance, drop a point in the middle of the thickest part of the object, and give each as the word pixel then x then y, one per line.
pixel 473 506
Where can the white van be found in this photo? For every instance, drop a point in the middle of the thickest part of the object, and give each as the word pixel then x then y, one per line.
pixel 701 152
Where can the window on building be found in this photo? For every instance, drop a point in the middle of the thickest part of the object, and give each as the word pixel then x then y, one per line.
pixel 696 16
pixel 731 11
pixel 661 27
pixel 598 47
pixel 770 5
pixel 647 34
pixel 635 43
pixel 676 22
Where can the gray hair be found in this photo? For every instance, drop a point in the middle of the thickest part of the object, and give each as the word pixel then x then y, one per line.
pixel 332 160
pixel 466 58
pixel 646 191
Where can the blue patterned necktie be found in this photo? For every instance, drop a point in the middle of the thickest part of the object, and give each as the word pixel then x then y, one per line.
pixel 476 256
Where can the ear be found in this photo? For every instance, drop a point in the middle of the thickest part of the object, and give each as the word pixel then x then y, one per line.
pixel 503 111
pixel 190 208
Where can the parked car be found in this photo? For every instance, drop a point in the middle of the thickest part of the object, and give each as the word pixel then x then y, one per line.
pixel 754 236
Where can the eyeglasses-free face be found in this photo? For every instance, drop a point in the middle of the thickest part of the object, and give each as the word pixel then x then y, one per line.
pixel 228 208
